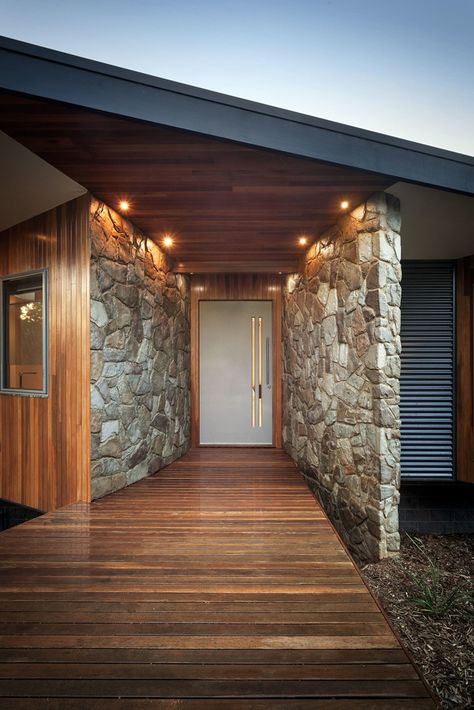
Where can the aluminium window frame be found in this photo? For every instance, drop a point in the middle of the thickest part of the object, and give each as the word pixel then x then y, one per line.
pixel 43 392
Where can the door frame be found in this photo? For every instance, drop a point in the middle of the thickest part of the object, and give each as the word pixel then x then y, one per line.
pixel 237 287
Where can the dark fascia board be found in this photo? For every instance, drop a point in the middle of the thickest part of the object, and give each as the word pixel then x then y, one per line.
pixel 45 73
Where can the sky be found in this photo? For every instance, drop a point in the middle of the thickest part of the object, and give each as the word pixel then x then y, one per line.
pixel 400 67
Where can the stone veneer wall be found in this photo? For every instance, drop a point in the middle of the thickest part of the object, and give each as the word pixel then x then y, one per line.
pixel 341 355
pixel 140 400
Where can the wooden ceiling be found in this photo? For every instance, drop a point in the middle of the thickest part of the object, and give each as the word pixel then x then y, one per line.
pixel 229 207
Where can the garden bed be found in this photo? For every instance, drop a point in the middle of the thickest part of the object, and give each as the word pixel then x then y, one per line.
pixel 438 571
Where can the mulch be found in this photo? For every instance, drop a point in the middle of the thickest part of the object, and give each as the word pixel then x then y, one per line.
pixel 442 647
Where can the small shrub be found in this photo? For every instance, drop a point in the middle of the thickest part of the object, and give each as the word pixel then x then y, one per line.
pixel 431 596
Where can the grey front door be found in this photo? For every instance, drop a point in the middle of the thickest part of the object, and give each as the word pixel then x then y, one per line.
pixel 235 378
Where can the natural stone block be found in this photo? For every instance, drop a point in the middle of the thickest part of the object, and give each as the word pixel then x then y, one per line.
pixel 377 275
pixel 97 417
pixel 127 295
pixel 97 363
pixel 112 447
pixel 109 428
pixel 377 300
pixel 331 303
pixel 117 272
pixel 97 401
pixel 98 314
pixel 97 337
pixel 351 274
pixel 364 244
pixel 329 329
pixel 376 357
pixel 382 248
pixel 323 292
pixel 119 314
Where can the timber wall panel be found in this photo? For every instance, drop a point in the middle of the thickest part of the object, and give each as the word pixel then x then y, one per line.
pixel 45 441
pixel 464 370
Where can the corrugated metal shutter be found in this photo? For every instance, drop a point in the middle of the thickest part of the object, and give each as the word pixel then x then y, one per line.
pixel 427 404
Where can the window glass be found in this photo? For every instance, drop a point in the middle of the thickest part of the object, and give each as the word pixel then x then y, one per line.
pixel 23 333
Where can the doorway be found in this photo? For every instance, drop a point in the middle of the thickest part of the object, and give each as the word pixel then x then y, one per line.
pixel 235 372
pixel 253 292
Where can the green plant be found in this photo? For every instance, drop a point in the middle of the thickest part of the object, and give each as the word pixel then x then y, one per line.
pixel 432 595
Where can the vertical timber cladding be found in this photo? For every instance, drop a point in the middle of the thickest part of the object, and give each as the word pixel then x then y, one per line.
pixel 465 370
pixel 427 385
pixel 45 440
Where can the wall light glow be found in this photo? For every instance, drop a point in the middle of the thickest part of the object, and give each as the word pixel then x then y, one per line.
pixel 124 205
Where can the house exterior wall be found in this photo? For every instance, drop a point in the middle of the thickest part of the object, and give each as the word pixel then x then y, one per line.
pixel 44 440
pixel 341 353
pixel 140 389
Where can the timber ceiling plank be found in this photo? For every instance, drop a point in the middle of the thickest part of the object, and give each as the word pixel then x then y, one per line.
pixel 228 206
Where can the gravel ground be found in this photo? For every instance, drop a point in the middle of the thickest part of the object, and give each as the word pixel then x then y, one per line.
pixel 442 646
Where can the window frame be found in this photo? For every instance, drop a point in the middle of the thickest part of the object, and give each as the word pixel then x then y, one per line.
pixel 3 322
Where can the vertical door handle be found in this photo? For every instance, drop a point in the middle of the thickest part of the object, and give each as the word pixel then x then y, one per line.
pixel 260 368
pixel 256 344
pixel 268 361
pixel 252 346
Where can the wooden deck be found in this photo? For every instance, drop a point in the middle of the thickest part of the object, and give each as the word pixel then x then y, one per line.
pixel 217 583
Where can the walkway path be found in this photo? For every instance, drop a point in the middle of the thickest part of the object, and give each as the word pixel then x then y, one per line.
pixel 218 582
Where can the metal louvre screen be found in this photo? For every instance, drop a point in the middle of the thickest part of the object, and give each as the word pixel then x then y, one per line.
pixel 427 404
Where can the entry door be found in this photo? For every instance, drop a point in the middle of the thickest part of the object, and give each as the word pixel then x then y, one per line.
pixel 235 364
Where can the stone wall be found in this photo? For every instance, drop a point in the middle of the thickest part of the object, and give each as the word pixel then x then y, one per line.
pixel 140 402
pixel 341 374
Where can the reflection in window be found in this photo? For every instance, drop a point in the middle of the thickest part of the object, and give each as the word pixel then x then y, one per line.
pixel 24 333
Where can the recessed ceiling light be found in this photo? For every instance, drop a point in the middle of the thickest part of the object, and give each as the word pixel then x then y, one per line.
pixel 124 205
pixel 302 241
pixel 168 241
pixel 344 205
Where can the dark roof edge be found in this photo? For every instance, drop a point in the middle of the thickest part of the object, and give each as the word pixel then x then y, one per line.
pixel 46 73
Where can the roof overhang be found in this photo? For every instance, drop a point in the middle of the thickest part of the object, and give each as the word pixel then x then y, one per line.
pixel 44 73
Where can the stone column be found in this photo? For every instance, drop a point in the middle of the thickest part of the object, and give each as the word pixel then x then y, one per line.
pixel 140 389
pixel 341 350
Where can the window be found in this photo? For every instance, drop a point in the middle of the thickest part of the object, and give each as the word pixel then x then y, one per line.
pixel 24 333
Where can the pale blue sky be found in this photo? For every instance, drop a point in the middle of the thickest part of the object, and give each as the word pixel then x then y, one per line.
pixel 401 67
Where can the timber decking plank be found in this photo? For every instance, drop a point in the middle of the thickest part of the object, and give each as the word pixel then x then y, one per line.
pixel 196 616
pixel 358 657
pixel 195 629
pixel 220 577
pixel 158 688
pixel 220 704
pixel 168 671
